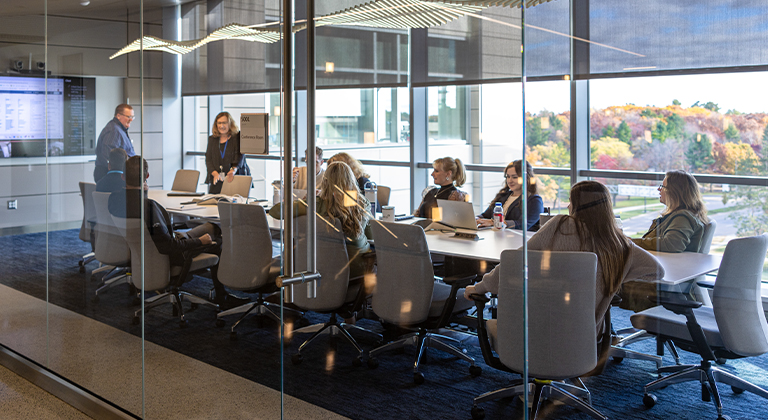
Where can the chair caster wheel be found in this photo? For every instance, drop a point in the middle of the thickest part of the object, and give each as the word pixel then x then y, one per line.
pixel 723 417
pixel 82 268
pixel 721 360
pixel 95 299
pixel 736 390
pixel 357 361
pixel 475 371
pixel 233 336
pixel 296 359
pixel 618 359
pixel 649 400
pixel 418 378
pixel 477 413
pixel 373 363
pixel 183 323
pixel 219 323
pixel 136 320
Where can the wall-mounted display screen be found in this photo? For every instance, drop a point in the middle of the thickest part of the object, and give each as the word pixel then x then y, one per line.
pixel 54 113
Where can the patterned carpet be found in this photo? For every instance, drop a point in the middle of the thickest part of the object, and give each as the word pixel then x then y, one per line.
pixel 327 377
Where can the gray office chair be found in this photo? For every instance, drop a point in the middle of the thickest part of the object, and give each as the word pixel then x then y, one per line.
pixel 382 195
pixel 240 185
pixel 89 219
pixel 337 293
pixel 407 294
pixel 111 250
pixel 186 180
pixel 246 260
pixel 733 328
pixel 561 328
pixel 628 336
pixel 159 275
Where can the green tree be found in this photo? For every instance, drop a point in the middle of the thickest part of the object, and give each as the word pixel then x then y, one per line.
pixel 675 126
pixel 555 122
pixel 711 106
pixel 660 132
pixel 534 134
pixel 699 153
pixel 764 152
pixel 609 131
pixel 732 134
pixel 625 133
pixel 676 102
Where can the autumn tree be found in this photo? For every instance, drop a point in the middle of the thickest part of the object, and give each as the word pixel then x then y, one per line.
pixel 699 153
pixel 732 134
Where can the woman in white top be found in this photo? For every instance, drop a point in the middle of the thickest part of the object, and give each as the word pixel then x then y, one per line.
pixel 589 227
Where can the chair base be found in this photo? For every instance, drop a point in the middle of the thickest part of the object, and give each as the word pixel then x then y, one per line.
pixel 114 278
pixel 632 335
pixel 175 297
pixel 258 307
pixel 577 396
pixel 708 376
pixel 423 339
pixel 335 329
pixel 618 353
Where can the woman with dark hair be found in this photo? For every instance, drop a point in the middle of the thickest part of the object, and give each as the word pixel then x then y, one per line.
pixel 681 225
pixel 589 227
pixel 223 159
pixel 509 197
pixel 448 174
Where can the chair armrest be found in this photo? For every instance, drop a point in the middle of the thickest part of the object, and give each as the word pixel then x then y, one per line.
pixel 707 284
pixel 480 298
pixel 677 303
pixel 616 300
pixel 460 280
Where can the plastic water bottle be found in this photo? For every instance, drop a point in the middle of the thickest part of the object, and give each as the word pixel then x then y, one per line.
pixel 370 193
pixel 619 224
pixel 498 216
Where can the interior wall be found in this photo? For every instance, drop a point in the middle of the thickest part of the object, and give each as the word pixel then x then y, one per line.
pixel 80 46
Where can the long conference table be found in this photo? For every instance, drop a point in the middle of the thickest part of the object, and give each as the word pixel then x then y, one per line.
pixel 680 268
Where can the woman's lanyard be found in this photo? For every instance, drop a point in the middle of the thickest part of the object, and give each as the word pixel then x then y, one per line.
pixel 222 152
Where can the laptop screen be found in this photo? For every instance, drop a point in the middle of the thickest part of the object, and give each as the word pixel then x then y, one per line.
pixel 455 213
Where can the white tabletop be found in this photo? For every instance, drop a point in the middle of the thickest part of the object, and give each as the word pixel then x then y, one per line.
pixel 679 267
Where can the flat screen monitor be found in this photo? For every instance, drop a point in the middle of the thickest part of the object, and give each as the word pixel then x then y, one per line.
pixel 63 121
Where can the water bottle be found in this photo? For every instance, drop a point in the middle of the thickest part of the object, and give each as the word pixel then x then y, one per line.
pixel 370 193
pixel 619 224
pixel 498 216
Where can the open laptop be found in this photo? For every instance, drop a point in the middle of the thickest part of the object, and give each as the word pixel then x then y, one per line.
pixel 456 216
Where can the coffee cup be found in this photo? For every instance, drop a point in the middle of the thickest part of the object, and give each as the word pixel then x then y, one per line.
pixel 388 213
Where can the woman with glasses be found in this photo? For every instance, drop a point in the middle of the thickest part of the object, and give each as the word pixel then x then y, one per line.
pixel 448 174
pixel 681 225
pixel 589 227
pixel 223 159
pixel 510 198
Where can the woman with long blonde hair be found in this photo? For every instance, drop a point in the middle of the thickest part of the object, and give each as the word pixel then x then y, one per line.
pixel 340 199
pixel 448 174
pixel 590 227
pixel 681 225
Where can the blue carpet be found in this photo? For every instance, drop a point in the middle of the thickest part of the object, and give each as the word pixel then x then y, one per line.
pixel 328 379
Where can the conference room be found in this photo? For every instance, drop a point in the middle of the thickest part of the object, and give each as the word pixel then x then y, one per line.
pixel 348 310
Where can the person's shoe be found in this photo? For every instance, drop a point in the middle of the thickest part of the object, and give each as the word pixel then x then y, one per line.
pixel 230 301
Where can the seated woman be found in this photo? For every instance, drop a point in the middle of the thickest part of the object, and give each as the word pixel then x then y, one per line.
pixel 589 228
pixel 509 197
pixel 681 225
pixel 357 170
pixel 448 173
pixel 680 228
pixel 337 181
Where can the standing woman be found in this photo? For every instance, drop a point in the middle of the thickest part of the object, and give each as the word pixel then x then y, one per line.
pixel 448 173
pixel 509 197
pixel 222 157
pixel 681 225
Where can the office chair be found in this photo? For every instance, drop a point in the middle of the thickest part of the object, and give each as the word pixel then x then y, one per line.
pixel 240 185
pixel 561 329
pixel 159 274
pixel 734 327
pixel 408 295
pixel 382 195
pixel 630 335
pixel 337 293
pixel 186 180
pixel 246 261
pixel 110 249
pixel 89 219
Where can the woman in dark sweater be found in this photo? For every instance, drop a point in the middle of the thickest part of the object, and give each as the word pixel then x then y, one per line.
pixel 509 197
pixel 448 174
pixel 222 156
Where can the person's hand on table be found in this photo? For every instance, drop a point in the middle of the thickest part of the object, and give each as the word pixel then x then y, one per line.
pixel 215 175
pixel 231 175
pixel 206 239
pixel 484 222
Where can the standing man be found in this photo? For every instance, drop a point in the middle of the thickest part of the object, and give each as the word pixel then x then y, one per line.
pixel 114 135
